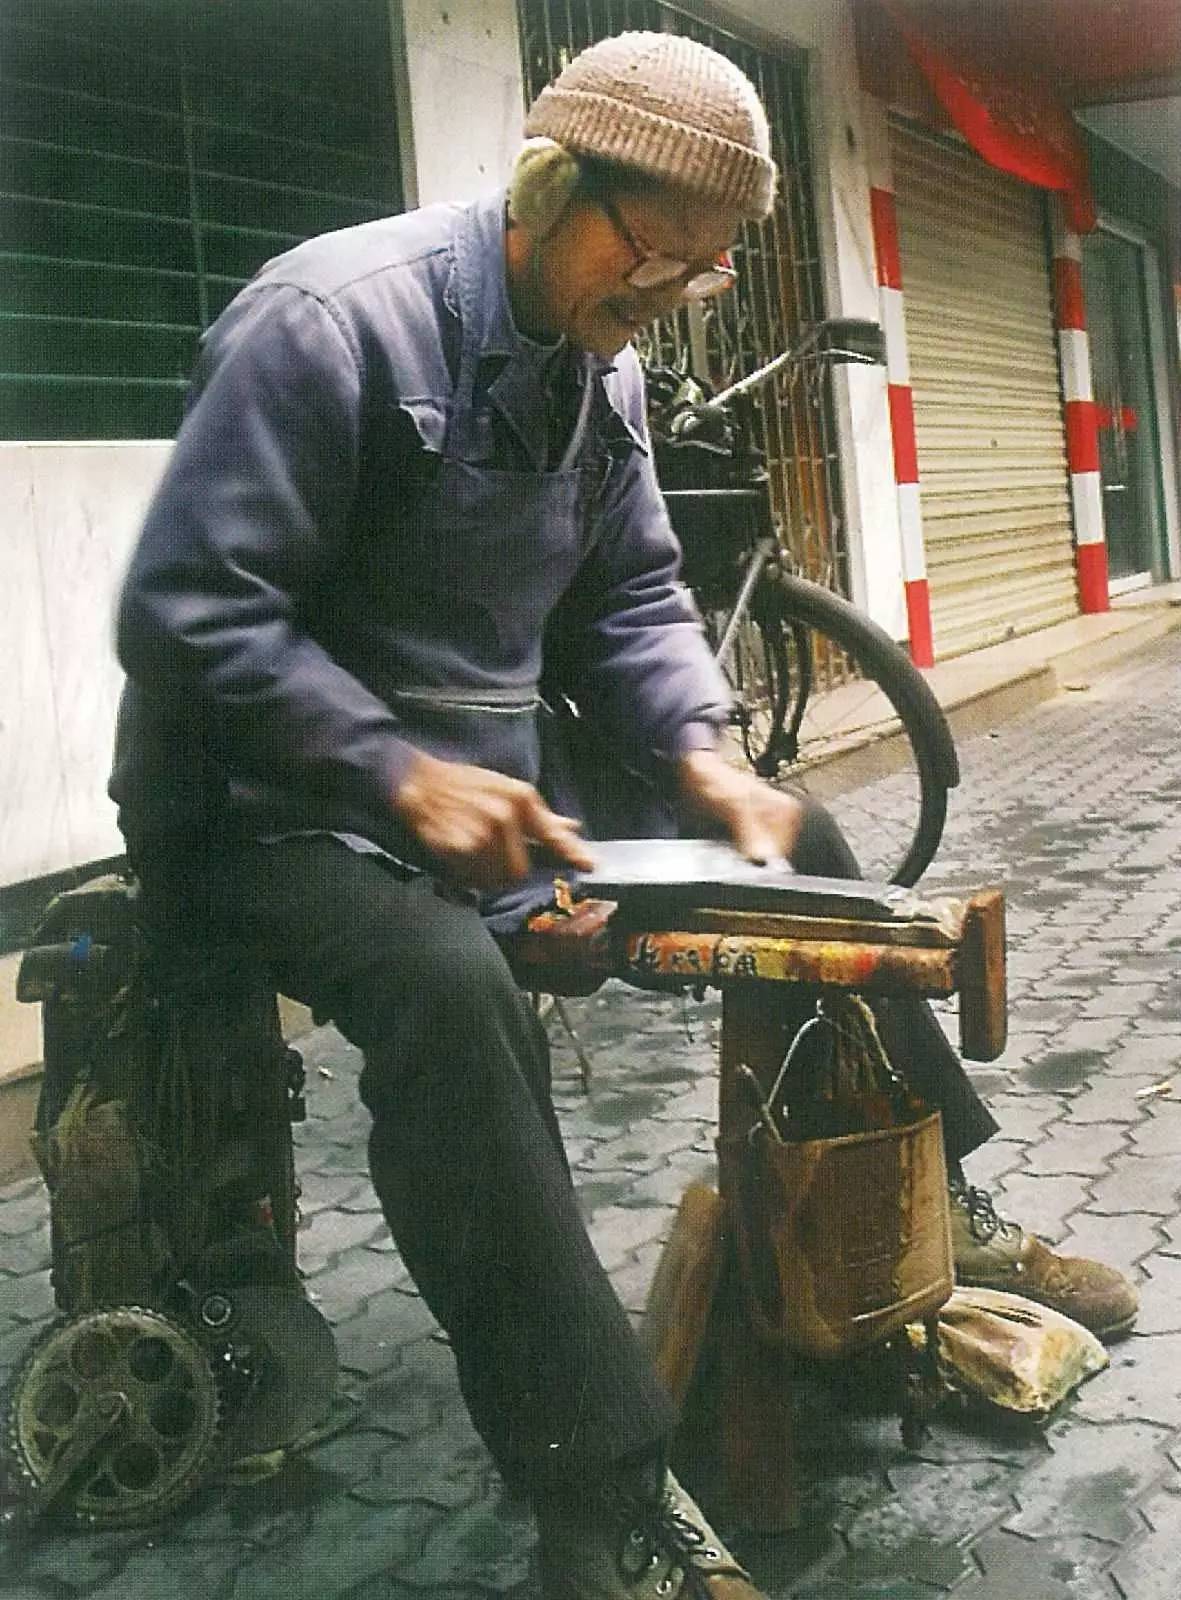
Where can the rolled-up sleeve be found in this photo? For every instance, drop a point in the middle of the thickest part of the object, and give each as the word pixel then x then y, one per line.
pixel 249 519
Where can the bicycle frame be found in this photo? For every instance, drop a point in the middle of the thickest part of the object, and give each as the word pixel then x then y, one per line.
pixel 838 341
pixel 764 619
pixel 765 551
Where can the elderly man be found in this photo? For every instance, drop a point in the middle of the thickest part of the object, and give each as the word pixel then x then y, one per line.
pixel 414 473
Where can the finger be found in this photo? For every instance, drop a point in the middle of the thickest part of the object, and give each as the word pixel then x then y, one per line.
pixel 464 861
pixel 567 847
pixel 538 817
pixel 758 846
pixel 513 852
pixel 576 823
pixel 788 824
pixel 559 836
pixel 755 835
pixel 472 857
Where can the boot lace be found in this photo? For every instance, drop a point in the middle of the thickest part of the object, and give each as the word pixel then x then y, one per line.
pixel 659 1534
pixel 983 1220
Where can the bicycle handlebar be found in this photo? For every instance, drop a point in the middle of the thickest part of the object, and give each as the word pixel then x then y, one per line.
pixel 846 340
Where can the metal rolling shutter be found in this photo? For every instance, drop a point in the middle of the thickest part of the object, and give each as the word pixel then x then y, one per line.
pixel 988 410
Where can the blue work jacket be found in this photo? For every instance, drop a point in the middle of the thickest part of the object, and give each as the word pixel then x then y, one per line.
pixel 363 545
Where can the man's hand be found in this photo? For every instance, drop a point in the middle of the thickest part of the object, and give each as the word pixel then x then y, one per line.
pixel 762 822
pixel 480 825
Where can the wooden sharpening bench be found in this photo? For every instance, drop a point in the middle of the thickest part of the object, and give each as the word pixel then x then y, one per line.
pixel 815 935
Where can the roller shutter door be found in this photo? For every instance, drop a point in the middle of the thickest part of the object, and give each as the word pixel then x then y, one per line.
pixel 989 421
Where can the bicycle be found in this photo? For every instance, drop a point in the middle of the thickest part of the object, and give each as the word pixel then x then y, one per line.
pixel 770 628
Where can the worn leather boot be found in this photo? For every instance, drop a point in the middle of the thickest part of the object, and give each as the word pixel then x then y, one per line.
pixel 992 1253
pixel 619 1541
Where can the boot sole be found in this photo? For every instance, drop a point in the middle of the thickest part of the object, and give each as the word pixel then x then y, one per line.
pixel 1117 1330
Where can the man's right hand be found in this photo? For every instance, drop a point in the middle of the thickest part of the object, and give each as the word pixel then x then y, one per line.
pixel 480 825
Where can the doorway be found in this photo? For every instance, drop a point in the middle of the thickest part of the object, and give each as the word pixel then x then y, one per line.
pixel 1117 274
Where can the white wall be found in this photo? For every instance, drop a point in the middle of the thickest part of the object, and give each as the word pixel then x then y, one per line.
pixel 843 151
pixel 74 510
pixel 459 91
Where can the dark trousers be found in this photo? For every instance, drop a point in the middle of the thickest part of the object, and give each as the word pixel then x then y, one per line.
pixel 465 1152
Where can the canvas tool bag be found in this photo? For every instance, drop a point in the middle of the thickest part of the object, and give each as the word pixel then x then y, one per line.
pixel 163 1127
pixel 842 1230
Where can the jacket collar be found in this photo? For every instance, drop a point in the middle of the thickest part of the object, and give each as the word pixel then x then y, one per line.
pixel 477 291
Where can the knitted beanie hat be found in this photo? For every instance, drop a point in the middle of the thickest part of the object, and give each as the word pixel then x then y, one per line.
pixel 668 107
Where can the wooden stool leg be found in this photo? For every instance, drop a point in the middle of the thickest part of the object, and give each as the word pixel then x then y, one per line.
pixel 758 1020
pixel 562 1012
pixel 758 1448
pixel 681 1299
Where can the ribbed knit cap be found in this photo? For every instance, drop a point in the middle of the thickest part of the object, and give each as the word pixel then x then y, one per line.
pixel 668 107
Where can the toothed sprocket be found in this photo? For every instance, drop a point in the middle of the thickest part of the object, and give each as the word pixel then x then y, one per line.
pixel 114 1414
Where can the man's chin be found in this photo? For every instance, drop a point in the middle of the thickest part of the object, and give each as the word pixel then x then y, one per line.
pixel 607 333
pixel 610 328
pixel 608 350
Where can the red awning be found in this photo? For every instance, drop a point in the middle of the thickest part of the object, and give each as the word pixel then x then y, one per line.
pixel 1014 120
pixel 1089 51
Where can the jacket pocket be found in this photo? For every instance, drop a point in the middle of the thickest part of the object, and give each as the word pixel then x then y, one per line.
pixel 497 728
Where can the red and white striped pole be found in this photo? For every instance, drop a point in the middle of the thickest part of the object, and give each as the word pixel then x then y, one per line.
pixel 1082 421
pixel 906 460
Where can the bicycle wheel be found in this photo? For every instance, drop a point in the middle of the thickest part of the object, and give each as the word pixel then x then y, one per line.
pixel 757 671
pixel 861 730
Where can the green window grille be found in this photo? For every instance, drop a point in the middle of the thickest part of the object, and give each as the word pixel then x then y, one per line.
pixel 153 154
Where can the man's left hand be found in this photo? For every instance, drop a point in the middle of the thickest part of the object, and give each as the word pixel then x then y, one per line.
pixel 761 822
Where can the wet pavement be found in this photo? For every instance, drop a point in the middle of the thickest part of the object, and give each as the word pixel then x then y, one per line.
pixel 1074 809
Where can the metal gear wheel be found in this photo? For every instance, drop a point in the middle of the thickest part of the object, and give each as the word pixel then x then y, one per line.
pixel 114 1413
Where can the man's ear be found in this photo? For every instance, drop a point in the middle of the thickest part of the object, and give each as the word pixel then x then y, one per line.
pixel 544 178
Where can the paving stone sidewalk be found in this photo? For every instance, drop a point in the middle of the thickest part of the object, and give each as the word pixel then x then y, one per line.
pixel 1074 808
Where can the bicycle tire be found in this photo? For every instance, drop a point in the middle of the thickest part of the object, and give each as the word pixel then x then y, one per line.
pixel 758 674
pixel 801 610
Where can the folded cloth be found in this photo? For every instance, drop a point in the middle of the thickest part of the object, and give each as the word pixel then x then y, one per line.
pixel 1011 1352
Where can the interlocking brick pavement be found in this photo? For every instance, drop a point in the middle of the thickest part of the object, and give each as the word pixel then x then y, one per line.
pixel 1073 808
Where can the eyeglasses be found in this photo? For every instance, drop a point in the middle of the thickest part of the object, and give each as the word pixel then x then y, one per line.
pixel 654 270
